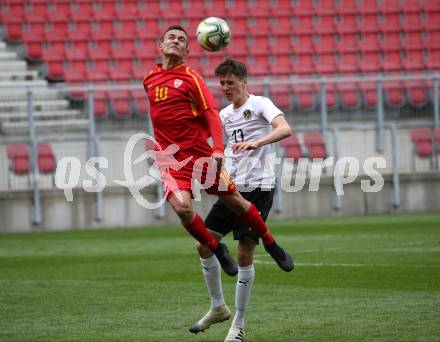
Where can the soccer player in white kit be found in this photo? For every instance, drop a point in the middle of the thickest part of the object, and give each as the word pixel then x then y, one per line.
pixel 250 123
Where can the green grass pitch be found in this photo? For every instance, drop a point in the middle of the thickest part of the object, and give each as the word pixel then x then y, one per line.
pixel 358 279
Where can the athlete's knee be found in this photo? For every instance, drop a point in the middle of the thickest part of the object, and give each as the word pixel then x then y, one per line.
pixel 236 203
pixel 203 250
pixel 184 211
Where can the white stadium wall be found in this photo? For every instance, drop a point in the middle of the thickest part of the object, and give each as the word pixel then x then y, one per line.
pixel 419 193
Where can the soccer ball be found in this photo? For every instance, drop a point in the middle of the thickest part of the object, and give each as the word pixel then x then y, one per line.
pixel 213 34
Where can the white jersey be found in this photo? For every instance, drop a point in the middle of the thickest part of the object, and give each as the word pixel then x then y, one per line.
pixel 251 122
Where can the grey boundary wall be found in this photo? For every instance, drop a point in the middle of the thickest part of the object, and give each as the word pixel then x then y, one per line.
pixel 419 193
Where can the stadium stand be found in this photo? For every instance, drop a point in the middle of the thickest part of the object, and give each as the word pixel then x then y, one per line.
pixel 88 40
pixel 18 155
pixel 315 145
pixel 422 140
pixel 292 147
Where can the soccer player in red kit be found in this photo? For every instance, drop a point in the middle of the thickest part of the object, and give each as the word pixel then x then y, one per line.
pixel 183 113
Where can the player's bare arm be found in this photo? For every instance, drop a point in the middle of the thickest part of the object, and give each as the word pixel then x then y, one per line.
pixel 281 130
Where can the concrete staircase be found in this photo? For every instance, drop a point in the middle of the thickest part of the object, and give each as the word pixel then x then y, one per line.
pixel 52 111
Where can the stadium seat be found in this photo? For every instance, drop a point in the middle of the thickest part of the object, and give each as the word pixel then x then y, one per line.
pixel 302 25
pixel 369 94
pixel 367 24
pixel 390 42
pixel 280 94
pixel 349 95
pixel 365 7
pixel 394 93
pixel 388 6
pixel 100 104
pixel 331 101
pixel 416 92
pixel 368 43
pixel 422 142
pixel 302 45
pixel 280 44
pixel 120 103
pixel 303 65
pixel 347 64
pixel 18 155
pixel 258 26
pixel 281 26
pixel 46 158
pixel 390 23
pixel 346 43
pixel 325 65
pixel 323 44
pixel 315 145
pixel 140 101
pixel 414 61
pixel 302 8
pixel 346 24
pixel 305 96
pixel 433 60
pixel 291 147
pixel 390 62
pixel 323 25
pixel 281 65
pixel 369 62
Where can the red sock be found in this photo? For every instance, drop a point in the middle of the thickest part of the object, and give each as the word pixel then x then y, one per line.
pixel 253 219
pixel 199 231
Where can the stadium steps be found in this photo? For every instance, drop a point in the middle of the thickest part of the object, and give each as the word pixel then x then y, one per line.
pixel 10 65
pixel 58 114
pixel 21 105
pixel 18 75
pixel 49 125
pixel 38 94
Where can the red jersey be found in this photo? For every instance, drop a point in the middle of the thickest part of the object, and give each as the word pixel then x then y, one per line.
pixel 183 111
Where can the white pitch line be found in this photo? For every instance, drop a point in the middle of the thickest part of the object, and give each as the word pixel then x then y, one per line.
pixel 323 264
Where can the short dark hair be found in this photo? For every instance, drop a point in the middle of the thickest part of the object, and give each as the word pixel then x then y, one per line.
pixel 173 27
pixel 231 66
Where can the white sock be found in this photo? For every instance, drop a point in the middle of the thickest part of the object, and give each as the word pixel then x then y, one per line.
pixel 243 289
pixel 212 274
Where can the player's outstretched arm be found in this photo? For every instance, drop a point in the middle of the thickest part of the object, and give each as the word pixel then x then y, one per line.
pixel 281 130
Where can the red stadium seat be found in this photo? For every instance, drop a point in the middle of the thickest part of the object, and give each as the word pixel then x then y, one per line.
pixel 389 6
pixel 390 23
pixel 125 30
pixel 302 25
pixel 431 41
pixel 411 6
pixel 414 61
pixel 259 26
pixel 280 45
pixel 282 26
pixel 345 7
pixel 281 65
pixel 120 103
pixel 140 101
pixel 323 25
pixel 75 74
pixel 302 8
pixel 128 11
pixel 346 24
pixel 324 8
pixel 394 93
pixel 302 45
pixel 349 95
pixel 433 60
pixel 303 65
pixel 390 42
pixel 260 46
pixel 422 142
pixel 281 9
pixel 323 44
pixel 365 7
pixel 315 145
pixel 368 43
pixel 369 94
pixel 46 158
pixel 369 63
pixel 347 64
pixel 305 96
pixel 391 62
pixel 417 93
pixel 368 24
pixel 281 95
pixel 18 155
pixel 325 65
pixel 346 43
pixel 291 147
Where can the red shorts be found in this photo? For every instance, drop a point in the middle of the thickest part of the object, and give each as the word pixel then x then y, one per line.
pixel 214 182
